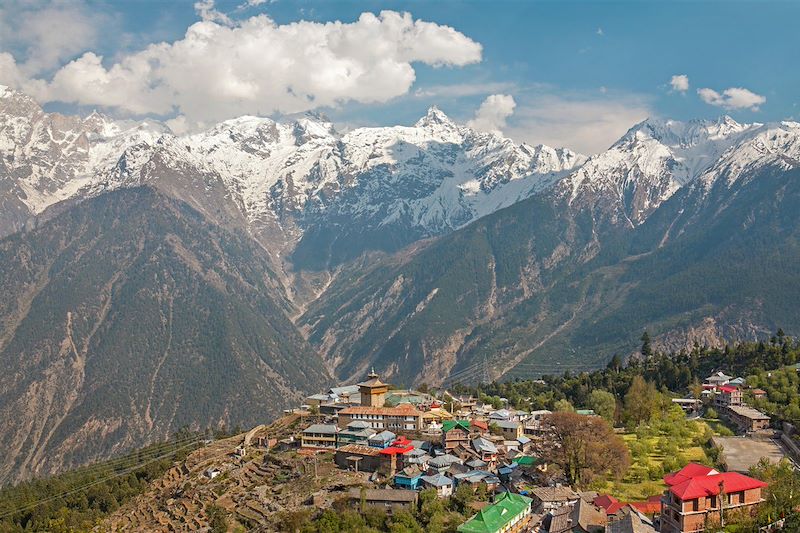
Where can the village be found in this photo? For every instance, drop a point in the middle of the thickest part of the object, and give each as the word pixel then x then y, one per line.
pixel 399 442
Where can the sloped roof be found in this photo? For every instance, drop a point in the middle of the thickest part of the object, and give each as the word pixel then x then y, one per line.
pixel 719 376
pixel 482 445
pixel 728 388
pixel 357 449
pixel 410 471
pixel 438 480
pixel 630 523
pixel 554 494
pixel 605 501
pixel 587 515
pixel 444 460
pixel 651 506
pixel 447 425
pixel 494 517
pixel 321 428
pixel 701 486
pixel 688 472
pixel 384 435
pixel 748 412
pixel 347 390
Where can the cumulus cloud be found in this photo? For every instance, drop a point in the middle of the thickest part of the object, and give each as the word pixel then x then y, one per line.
pixel 585 123
pixel 221 69
pixel 493 112
pixel 679 83
pixel 43 34
pixel 732 98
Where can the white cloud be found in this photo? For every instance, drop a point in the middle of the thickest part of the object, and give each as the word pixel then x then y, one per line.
pixel 458 90
pixel 585 123
pixel 493 112
pixel 206 11
pixel 732 98
pixel 679 83
pixel 45 33
pixel 220 70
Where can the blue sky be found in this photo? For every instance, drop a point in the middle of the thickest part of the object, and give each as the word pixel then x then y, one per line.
pixel 578 73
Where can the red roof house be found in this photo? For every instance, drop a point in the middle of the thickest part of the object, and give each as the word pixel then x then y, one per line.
pixel 698 493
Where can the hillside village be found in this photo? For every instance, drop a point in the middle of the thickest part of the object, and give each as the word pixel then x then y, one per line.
pixel 372 448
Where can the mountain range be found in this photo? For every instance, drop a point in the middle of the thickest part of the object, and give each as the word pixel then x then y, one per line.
pixel 156 281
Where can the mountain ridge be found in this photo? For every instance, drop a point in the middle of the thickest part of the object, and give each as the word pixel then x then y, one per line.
pixel 135 317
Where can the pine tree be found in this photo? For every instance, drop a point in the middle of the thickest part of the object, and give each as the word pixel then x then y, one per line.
pixel 647 349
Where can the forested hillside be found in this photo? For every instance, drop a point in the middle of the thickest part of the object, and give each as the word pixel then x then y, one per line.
pixel 549 285
pixel 131 317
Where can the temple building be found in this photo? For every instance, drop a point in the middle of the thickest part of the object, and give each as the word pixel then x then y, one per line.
pixel 373 391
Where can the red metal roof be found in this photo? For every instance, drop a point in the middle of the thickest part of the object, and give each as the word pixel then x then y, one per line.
pixel 396 450
pixel 613 505
pixel 728 388
pixel 480 424
pixel 401 441
pixel 688 472
pixel 649 507
pixel 701 486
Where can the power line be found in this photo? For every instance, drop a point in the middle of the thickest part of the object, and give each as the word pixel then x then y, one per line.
pixel 132 458
pixel 93 483
pixel 117 464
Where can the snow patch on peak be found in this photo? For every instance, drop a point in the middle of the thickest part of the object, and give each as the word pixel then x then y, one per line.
pixel 772 144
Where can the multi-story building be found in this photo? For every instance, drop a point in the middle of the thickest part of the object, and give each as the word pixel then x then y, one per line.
pixel 455 433
pixel 319 436
pixel 728 395
pixel 510 513
pixel 747 418
pixel 402 417
pixel 699 495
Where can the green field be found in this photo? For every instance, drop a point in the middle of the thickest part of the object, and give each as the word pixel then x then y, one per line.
pixel 655 452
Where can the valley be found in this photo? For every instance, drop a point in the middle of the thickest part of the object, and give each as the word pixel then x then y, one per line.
pixel 148 270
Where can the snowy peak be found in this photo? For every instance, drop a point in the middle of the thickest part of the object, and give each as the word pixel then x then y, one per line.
pixel 774 144
pixel 654 159
pixel 435 118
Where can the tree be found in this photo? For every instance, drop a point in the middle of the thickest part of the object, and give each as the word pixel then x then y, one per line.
pixel 615 364
pixel 585 447
pixel 563 406
pixel 604 404
pixel 783 494
pixel 696 388
pixel 216 520
pixel 640 401
pixel 647 349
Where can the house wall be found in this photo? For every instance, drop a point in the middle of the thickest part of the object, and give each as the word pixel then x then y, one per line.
pixel 690 515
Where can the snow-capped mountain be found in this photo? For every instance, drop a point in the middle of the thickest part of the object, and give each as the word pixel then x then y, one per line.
pixel 317 196
pixel 279 180
pixel 653 160
pixel 774 144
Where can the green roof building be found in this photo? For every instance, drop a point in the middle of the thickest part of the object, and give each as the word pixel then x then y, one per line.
pixel 507 513
pixel 525 460
pixel 447 425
